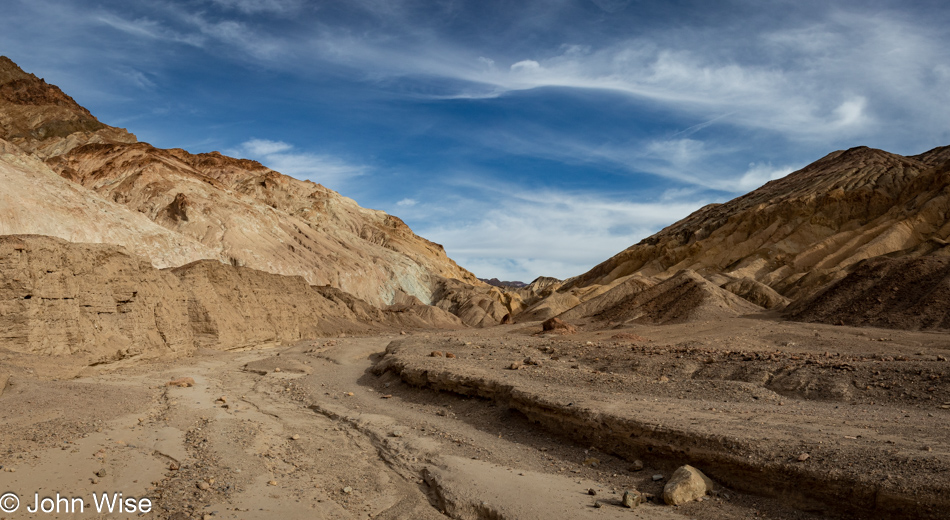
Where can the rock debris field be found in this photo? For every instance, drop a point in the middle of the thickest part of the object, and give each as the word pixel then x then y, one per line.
pixel 744 418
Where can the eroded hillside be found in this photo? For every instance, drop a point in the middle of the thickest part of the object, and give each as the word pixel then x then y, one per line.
pixel 173 207
pixel 794 235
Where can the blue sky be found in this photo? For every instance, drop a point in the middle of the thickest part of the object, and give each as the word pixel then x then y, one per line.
pixel 530 138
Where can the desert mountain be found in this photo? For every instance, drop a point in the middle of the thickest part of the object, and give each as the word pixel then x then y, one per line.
pixel 902 293
pixel 684 297
pixel 66 174
pixel 795 235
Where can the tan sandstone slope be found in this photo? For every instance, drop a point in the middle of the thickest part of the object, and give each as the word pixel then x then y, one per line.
pixel 797 234
pixel 181 207
pixel 97 303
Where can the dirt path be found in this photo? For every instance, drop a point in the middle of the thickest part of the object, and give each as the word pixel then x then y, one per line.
pixel 290 432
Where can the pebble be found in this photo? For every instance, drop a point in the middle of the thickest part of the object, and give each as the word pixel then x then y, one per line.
pixel 347 490
pixel 803 457
pixel 592 492
pixel 295 437
pixel 631 498
pixel 101 473
pixel 182 382
pixel 204 486
pixel 277 369
pixel 637 465
pixel 435 353
pixel 657 477
pixel 271 482
pixel 396 433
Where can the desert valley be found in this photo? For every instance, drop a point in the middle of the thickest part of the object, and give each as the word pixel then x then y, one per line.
pixel 227 341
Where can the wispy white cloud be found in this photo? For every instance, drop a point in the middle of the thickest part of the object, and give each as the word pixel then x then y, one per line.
pixel 151 29
pixel 259 6
pixel 835 77
pixel 516 233
pixel 264 147
pixel 407 202
pixel 135 77
pixel 332 172
pixel 759 174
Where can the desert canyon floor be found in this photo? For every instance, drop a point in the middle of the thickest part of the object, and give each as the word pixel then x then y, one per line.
pixel 791 421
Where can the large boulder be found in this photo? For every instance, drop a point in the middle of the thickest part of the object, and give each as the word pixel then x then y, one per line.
pixel 686 484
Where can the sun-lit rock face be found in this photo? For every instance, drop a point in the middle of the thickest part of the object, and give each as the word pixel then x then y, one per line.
pixel 800 232
pixel 174 207
pixel 788 239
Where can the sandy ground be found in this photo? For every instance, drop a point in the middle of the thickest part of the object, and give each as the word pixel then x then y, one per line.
pixel 345 430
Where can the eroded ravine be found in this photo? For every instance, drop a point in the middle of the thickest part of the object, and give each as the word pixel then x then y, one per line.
pixel 308 431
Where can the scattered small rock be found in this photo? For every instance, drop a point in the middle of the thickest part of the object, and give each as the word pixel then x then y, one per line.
pixel 295 437
pixel 347 490
pixel 101 473
pixel 637 465
pixel 277 369
pixel 559 326
pixel 182 382
pixel 174 466
pixel 592 492
pixel 204 486
pixel 631 498
pixel 449 355
pixel 271 482
pixel 435 353
pixel 515 366
pixel 803 457
pixel 657 477
pixel 592 462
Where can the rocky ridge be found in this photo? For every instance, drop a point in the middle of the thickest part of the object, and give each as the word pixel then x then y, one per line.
pixel 793 236
pixel 90 182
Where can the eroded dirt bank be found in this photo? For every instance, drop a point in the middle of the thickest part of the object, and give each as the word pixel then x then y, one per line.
pixel 833 420
pixel 329 428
